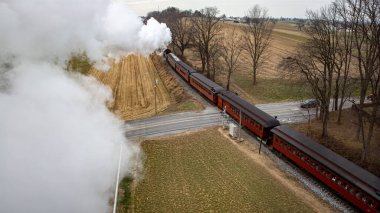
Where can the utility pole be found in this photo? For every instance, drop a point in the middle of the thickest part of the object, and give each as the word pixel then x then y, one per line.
pixel 155 95
pixel 239 124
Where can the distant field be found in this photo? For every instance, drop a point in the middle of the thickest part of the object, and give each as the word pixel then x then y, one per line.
pixel 205 172
pixel 271 90
pixel 272 86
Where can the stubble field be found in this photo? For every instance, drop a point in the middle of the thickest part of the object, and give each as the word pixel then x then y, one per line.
pixel 132 81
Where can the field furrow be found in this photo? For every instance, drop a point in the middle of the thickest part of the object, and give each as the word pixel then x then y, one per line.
pixel 132 81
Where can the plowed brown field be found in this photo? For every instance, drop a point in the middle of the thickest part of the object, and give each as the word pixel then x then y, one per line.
pixel 132 81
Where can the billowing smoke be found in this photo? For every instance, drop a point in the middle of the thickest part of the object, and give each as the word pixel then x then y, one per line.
pixel 59 144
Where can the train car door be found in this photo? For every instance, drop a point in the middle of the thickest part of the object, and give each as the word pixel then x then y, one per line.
pixel 220 101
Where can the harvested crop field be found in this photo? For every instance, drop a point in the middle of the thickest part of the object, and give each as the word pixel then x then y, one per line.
pixel 132 81
pixel 205 172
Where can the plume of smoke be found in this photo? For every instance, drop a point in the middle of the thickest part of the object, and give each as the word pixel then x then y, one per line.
pixel 59 144
pixel 51 30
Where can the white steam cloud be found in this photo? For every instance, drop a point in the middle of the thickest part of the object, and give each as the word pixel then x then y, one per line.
pixel 59 144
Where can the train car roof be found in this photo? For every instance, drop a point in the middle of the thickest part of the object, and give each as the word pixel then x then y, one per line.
pixel 176 58
pixel 187 67
pixel 340 165
pixel 249 109
pixel 206 82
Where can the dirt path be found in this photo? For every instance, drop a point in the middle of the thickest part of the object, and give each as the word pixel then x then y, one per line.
pixel 132 81
pixel 252 151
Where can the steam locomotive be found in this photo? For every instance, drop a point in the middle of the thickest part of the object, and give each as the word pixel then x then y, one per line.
pixel 348 180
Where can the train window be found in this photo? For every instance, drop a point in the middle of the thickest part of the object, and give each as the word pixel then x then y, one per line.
pixel 352 190
pixel 303 158
pixel 364 199
pixel 339 182
pixel 316 167
pixel 328 174
pixel 345 186
pixel 371 203
pixel 308 160
pixel 333 178
pixel 358 195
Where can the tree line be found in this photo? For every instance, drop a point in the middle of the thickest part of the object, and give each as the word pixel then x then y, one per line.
pixel 343 48
pixel 217 49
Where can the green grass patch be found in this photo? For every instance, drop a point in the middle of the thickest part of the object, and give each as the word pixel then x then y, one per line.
pixel 273 90
pixel 183 106
pixel 189 105
pixel 289 35
pixel 79 62
pixel 286 25
pixel 205 172
pixel 125 197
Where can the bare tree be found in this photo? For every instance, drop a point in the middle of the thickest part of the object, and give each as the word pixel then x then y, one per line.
pixel 344 55
pixel 215 60
pixel 316 60
pixel 257 35
pixel 300 25
pixel 231 52
pixel 181 34
pixel 180 27
pixel 207 28
pixel 365 15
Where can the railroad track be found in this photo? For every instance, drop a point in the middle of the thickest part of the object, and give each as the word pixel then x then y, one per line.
pixel 308 181
pixel 318 188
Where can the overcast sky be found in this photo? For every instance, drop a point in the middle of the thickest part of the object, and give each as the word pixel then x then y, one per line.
pixel 276 8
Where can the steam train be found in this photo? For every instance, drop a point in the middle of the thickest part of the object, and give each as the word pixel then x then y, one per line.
pixel 348 180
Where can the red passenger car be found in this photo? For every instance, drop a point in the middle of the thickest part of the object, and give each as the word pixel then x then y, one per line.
pixel 184 70
pixel 205 86
pixel 350 181
pixel 252 117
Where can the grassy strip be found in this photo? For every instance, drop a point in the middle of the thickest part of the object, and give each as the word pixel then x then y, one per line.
pixel 125 196
pixel 204 172
pixel 273 90
pixel 186 105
